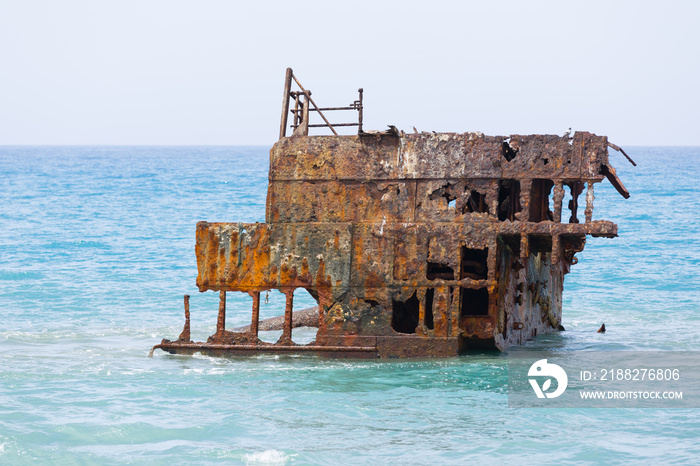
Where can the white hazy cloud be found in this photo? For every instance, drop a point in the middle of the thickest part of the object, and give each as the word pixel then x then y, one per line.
pixel 211 71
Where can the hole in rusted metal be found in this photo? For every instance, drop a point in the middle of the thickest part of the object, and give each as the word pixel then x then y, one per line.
pixel 575 189
pixel 474 302
pixel 438 270
pixel 302 334
pixel 539 200
pixel 404 316
pixel 508 152
pixel 513 243
pixel 446 191
pixel 539 243
pixel 475 203
pixel 508 199
pixel 474 263
pixel 429 296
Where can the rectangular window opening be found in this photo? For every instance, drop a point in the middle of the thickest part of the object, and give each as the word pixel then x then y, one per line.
pixel 439 270
pixel 540 243
pixel 474 263
pixel 540 200
pixel 475 203
pixel 575 190
pixel 474 302
pixel 513 243
pixel 508 199
pixel 404 315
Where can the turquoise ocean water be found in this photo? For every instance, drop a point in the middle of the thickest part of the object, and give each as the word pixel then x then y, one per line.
pixel 97 249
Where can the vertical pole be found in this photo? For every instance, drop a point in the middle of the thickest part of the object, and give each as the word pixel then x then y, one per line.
pixel 556 250
pixel 323 304
pixel 531 190
pixel 521 196
pixel 576 189
pixel 421 312
pixel 287 331
pixel 305 115
pixel 297 113
pixel 558 199
pixel 285 102
pixel 185 335
pixel 492 194
pixel 524 249
pixel 221 320
pixel 589 203
pixel 255 323
pixel 359 131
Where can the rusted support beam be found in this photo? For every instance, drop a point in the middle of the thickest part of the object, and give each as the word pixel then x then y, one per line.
pixel 323 306
pixel 611 175
pixel 303 128
pixel 255 320
pixel 329 108
pixel 524 248
pixel 221 319
pixel 619 149
pixel 558 198
pixel 247 349
pixel 576 189
pixel 286 337
pixel 185 335
pixel 335 124
pixel 420 294
pixel 285 101
pixel 359 130
pixel 524 199
pixel 297 110
pixel 589 203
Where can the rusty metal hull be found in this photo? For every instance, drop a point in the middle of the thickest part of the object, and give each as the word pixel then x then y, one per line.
pixel 413 245
pixel 213 349
pixel 373 348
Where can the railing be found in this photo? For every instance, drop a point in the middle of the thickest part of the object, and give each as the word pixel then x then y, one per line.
pixel 300 113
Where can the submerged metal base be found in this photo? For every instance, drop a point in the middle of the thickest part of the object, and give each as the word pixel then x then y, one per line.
pixel 212 349
pixel 366 347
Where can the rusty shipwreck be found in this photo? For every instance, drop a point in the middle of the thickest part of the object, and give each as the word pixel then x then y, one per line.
pixel 413 245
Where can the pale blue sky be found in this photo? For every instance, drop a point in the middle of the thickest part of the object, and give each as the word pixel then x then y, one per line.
pixel 211 71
